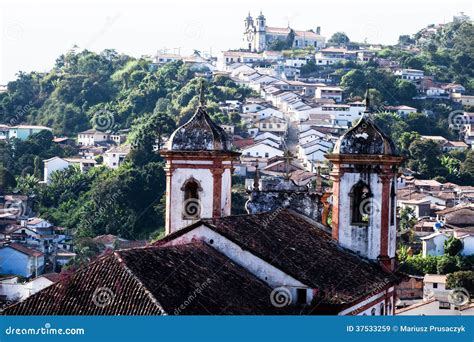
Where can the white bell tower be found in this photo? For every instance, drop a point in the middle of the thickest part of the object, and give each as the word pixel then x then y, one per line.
pixel 199 165
pixel 364 175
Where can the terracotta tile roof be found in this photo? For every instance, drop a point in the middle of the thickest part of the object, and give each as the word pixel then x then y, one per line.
pixel 54 277
pixel 277 30
pixel 240 143
pixel 468 206
pixel 105 239
pixel 34 220
pixel 153 281
pixel 296 246
pixel 23 249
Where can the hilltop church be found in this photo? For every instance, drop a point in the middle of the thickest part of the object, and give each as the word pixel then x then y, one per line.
pixel 258 36
pixel 280 258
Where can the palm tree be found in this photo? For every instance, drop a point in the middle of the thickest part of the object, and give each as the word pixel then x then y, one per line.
pixel 27 185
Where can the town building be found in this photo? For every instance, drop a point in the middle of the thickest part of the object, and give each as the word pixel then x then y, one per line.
pixel 22 132
pixel 20 260
pixel 259 37
pixel 236 261
pixel 115 156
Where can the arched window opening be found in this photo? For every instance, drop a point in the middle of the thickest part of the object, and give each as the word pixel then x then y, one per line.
pixel 373 312
pixel 361 204
pixel 393 202
pixel 382 307
pixel 191 202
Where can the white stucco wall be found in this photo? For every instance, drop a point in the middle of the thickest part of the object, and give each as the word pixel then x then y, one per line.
pixel 179 177
pixel 363 239
pixel 258 267
pixel 54 165
pixel 434 246
pixel 377 299
pixel 468 245
pixel 226 192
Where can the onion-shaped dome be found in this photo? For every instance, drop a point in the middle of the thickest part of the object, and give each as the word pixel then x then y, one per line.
pixel 200 133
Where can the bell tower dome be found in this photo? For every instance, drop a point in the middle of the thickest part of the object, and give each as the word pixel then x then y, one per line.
pixel 364 175
pixel 199 164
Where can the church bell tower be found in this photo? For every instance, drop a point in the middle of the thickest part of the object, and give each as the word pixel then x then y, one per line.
pixel 199 164
pixel 364 175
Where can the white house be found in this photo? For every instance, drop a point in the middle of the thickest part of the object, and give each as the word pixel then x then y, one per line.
pixel 268 135
pixel 401 110
pixel 252 107
pixel 53 164
pixel 433 244
pixel 91 137
pixel 11 289
pixel 313 153
pixel 334 93
pixel 467 239
pixel 271 142
pixel 310 135
pixel 57 164
pixel 409 74
pixel 433 283
pixel 115 156
pixel 261 150
pixel 272 124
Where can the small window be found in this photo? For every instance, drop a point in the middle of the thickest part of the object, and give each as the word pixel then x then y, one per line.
pixel 444 305
pixel 373 311
pixel 266 155
pixel 392 204
pixel 301 296
pixel 382 309
pixel 435 285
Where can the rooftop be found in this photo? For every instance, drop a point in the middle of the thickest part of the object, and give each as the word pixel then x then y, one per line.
pixel 294 244
pixel 155 281
pixel 200 133
pixel 365 138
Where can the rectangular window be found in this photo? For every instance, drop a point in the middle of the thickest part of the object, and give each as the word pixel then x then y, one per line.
pixel 444 305
pixel 301 296
pixel 435 285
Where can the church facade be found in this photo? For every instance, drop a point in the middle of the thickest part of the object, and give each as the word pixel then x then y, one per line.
pixel 258 37
pixel 280 258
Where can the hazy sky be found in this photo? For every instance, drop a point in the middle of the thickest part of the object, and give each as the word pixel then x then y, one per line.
pixel 35 32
